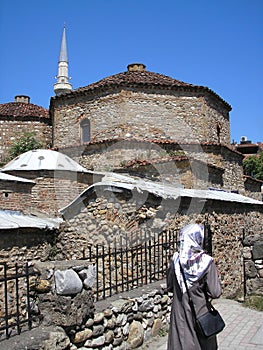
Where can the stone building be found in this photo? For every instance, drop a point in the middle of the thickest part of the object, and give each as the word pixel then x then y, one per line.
pixel 133 121
pixel 142 117
pixel 45 180
pixel 19 117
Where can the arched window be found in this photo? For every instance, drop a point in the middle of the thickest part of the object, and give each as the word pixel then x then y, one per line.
pixel 85 130
pixel 218 132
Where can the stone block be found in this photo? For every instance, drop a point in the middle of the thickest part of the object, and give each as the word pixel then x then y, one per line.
pixel 257 251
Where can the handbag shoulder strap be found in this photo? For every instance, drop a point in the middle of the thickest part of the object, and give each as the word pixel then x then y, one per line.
pixel 188 293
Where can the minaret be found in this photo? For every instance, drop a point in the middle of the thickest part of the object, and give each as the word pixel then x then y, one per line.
pixel 62 86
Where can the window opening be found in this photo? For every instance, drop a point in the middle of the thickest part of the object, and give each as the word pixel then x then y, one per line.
pixel 85 130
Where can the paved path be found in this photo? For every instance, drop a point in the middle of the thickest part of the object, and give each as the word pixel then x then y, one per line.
pixel 243 331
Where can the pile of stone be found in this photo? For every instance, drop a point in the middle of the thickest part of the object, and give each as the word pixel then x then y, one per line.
pixel 125 323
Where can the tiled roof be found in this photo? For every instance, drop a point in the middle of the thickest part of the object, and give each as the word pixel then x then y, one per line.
pixel 155 141
pixel 21 109
pixel 142 79
pixel 137 77
pixel 146 162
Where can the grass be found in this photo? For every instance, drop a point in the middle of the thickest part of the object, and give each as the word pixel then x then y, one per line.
pixel 254 302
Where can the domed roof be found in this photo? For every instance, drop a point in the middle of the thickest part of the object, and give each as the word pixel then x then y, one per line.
pixel 23 108
pixel 138 76
pixel 42 159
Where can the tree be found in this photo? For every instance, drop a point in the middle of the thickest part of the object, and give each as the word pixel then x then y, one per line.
pixel 26 142
pixel 253 166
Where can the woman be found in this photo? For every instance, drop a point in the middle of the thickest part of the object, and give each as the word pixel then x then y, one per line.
pixel 201 274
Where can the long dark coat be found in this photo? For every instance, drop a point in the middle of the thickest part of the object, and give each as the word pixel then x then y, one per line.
pixel 182 335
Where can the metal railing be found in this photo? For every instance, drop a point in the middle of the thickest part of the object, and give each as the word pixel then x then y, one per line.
pixel 118 269
pixel 15 309
pixel 122 268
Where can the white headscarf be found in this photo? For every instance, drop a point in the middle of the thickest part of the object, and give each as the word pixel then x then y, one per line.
pixel 193 259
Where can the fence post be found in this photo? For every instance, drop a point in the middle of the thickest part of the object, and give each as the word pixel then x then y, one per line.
pixel 208 245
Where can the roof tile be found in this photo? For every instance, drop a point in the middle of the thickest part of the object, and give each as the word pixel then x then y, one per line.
pixel 21 109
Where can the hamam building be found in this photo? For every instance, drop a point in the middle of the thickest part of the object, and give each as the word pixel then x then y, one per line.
pixel 141 123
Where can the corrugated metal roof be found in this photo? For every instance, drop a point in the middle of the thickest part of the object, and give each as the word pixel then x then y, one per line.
pixel 7 177
pixel 43 159
pixel 10 219
pixel 113 181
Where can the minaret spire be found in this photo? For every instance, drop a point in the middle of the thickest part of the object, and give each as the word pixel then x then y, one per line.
pixel 62 86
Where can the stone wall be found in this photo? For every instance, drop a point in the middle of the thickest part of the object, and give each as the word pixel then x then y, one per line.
pixel 253 257
pixel 218 165
pixel 222 157
pixel 12 128
pixel 105 220
pixel 71 321
pixel 155 114
pixel 128 321
pixel 61 301
pixel 254 188
pixel 26 244
pixel 117 219
pixel 62 292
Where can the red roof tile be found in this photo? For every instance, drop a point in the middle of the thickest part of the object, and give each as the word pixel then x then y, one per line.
pixel 142 79
pixel 21 109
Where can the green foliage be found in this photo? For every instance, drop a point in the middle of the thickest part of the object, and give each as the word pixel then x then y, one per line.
pixel 26 142
pixel 253 166
pixel 254 302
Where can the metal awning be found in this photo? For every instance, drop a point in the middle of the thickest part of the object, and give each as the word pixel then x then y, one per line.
pixel 116 182
pixel 10 219
pixel 7 177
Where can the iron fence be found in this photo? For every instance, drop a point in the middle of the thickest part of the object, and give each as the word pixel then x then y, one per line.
pixel 118 269
pixel 123 267
pixel 15 311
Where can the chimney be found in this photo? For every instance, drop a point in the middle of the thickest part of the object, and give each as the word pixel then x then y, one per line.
pixel 22 98
pixel 136 67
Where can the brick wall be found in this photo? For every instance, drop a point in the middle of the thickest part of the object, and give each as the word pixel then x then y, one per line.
pixel 15 195
pixel 52 191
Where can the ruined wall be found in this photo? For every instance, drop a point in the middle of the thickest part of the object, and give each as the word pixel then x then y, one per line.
pixel 253 188
pixel 154 114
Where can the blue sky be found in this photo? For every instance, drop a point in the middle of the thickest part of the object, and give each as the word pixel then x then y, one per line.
pixel 213 43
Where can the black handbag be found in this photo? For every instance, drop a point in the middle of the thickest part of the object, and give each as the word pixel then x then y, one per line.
pixel 209 324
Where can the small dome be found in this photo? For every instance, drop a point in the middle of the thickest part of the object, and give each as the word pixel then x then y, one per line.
pixel 23 109
pixel 42 159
